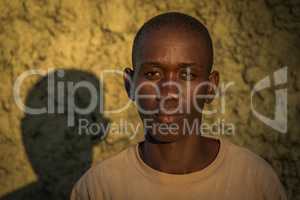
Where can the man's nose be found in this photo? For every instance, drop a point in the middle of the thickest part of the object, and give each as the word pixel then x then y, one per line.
pixel 169 87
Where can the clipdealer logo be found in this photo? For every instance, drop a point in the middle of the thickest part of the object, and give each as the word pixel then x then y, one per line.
pixel 279 78
pixel 279 123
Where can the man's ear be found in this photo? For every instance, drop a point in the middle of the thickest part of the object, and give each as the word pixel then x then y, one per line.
pixel 212 89
pixel 128 82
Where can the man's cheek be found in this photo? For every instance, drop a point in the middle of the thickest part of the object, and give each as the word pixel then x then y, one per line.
pixel 146 105
pixel 195 101
pixel 146 101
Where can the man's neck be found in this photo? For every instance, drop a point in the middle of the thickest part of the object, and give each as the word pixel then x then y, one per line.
pixel 189 154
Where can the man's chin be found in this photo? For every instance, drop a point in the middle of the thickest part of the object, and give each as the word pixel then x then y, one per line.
pixel 162 137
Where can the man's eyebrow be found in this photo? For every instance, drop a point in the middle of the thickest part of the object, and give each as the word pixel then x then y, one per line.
pixel 195 66
pixel 187 64
pixel 150 63
pixel 182 65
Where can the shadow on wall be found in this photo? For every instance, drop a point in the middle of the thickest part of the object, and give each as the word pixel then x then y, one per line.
pixel 58 153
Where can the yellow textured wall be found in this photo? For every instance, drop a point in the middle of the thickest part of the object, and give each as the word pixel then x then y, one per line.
pixel 252 39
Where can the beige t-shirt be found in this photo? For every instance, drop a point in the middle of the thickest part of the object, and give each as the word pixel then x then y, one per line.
pixel 235 174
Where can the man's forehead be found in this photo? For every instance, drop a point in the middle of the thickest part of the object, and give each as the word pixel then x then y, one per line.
pixel 171 51
pixel 170 54
pixel 171 34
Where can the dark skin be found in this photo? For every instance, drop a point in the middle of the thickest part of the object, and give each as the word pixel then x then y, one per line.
pixel 165 55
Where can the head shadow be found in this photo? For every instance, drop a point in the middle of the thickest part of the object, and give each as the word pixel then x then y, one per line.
pixel 59 153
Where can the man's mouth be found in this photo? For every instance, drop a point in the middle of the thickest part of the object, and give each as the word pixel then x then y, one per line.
pixel 168 118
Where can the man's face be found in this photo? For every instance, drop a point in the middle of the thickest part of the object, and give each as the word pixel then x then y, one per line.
pixel 171 69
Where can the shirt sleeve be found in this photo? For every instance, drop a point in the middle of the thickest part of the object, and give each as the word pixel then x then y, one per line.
pixel 89 186
pixel 79 191
pixel 272 188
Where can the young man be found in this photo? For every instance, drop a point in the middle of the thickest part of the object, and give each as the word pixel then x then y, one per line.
pixel 172 81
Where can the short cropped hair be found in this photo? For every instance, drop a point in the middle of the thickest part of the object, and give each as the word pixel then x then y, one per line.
pixel 173 19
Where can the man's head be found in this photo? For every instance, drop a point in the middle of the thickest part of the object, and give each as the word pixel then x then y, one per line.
pixel 172 57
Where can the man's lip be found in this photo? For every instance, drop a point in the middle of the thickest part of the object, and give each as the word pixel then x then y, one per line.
pixel 167 118
pixel 164 114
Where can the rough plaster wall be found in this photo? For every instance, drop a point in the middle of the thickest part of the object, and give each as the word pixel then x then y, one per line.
pixel 252 39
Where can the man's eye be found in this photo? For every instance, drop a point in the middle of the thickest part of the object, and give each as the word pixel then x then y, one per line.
pixel 152 75
pixel 187 76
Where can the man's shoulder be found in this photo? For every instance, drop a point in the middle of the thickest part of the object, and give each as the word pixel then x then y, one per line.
pixel 247 159
pixel 245 154
pixel 255 168
pixel 94 181
pixel 115 161
pixel 111 165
